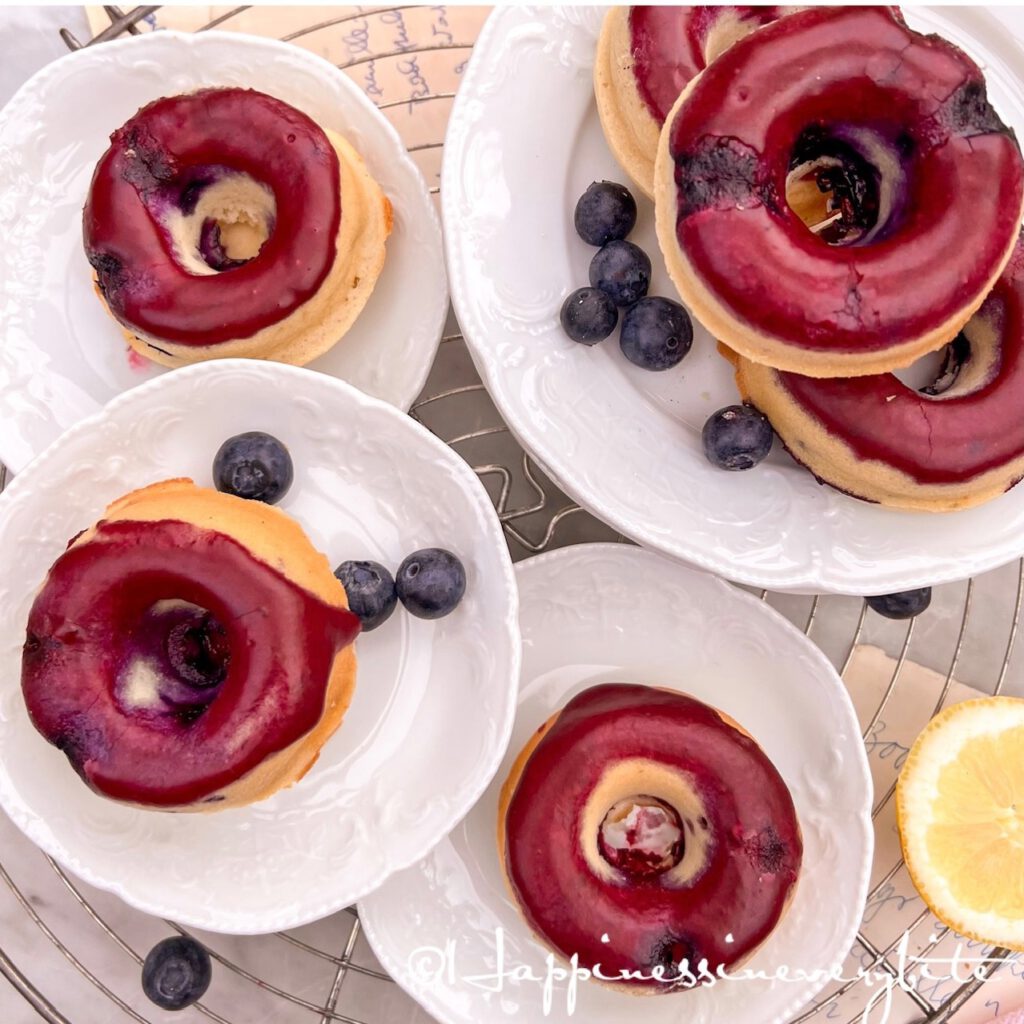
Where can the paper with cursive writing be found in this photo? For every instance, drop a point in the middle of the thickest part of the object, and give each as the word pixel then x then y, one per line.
pixel 894 908
pixel 408 60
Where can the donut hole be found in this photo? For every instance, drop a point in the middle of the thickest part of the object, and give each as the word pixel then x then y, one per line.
pixel 967 364
pixel 642 836
pixel 847 183
pixel 173 662
pixel 223 220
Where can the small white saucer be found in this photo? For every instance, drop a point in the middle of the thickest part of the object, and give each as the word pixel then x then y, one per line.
pixel 434 701
pixel 61 356
pixel 606 612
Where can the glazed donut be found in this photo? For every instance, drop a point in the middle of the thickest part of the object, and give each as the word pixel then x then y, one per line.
pixel 191 651
pixel 927 187
pixel 645 58
pixel 958 443
pixel 226 223
pixel 640 828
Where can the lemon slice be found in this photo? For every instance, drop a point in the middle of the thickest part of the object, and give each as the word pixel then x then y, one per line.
pixel 960 811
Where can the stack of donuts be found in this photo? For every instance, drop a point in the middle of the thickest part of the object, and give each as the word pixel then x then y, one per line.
pixel 835 199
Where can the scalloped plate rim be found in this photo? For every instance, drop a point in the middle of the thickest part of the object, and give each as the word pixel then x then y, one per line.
pixel 816 577
pixel 242 924
pixel 198 40
pixel 544 563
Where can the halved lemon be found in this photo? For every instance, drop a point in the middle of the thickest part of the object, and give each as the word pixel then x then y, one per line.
pixel 960 811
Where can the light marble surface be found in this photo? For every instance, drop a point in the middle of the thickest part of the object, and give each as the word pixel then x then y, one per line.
pixel 28 38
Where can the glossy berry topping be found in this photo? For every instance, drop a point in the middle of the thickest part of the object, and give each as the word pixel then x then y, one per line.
pixel 158 166
pixel 430 583
pixel 588 316
pixel 253 465
pixel 371 591
pixel 641 837
pixel 176 973
pixel 622 271
pixel 737 437
pixel 604 213
pixel 904 605
pixel 656 333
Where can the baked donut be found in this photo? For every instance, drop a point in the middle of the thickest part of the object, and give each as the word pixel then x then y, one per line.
pixel 645 57
pixel 191 651
pixel 225 222
pixel 926 187
pixel 640 828
pixel 957 443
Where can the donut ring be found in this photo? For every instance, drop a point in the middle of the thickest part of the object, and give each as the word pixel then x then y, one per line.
pixel 645 58
pixel 208 241
pixel 902 123
pixel 958 444
pixel 711 890
pixel 191 651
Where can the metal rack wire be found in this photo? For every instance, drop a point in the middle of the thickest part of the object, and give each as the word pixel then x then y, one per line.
pixel 535 516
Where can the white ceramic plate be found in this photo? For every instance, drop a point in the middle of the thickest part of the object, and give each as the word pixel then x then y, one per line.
pixel 606 612
pixel 524 141
pixel 434 701
pixel 61 356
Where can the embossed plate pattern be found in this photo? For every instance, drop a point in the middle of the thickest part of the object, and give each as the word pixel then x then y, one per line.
pixel 370 483
pixel 523 143
pixel 607 612
pixel 61 356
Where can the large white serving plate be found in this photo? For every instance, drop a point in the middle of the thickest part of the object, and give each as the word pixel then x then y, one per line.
pixel 434 701
pixel 61 356
pixel 524 141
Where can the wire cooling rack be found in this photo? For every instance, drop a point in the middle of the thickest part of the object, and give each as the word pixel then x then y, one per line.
pixel 970 631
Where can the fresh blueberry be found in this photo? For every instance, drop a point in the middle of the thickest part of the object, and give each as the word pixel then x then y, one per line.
pixel 904 605
pixel 371 591
pixel 605 212
pixel 176 973
pixel 253 465
pixel 588 316
pixel 737 437
pixel 622 271
pixel 656 333
pixel 430 583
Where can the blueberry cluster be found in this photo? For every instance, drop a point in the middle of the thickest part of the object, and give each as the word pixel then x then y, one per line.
pixel 429 583
pixel 656 332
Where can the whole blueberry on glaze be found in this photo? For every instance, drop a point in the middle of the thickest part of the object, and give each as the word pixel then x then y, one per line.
pixel 253 465
pixel 737 437
pixel 604 213
pixel 371 591
pixel 903 605
pixel 588 316
pixel 176 973
pixel 656 333
pixel 430 583
pixel 622 271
